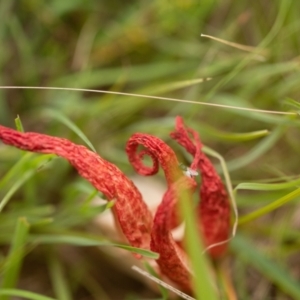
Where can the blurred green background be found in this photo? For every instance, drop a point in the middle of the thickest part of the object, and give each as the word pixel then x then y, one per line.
pixel 152 48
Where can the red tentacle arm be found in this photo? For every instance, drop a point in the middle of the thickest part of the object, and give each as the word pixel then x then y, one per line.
pixel 172 260
pixel 130 210
pixel 214 208
pixel 159 152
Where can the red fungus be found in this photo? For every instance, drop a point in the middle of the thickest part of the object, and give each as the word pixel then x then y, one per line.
pixel 130 210
pixel 172 260
pixel 214 207
pixel 159 152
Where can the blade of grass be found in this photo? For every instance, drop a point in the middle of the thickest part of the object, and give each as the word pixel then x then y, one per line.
pixel 261 148
pixel 202 281
pixel 87 201
pixel 16 169
pixel 247 252
pixel 292 103
pixel 66 121
pixel 38 211
pixel 29 186
pixel 135 73
pixel 70 215
pixel 266 186
pixel 213 153
pixel 270 207
pixel 15 256
pixel 25 46
pixel 224 277
pixel 22 179
pixel 168 87
pixel 80 273
pixel 86 240
pixel 231 100
pixel 283 11
pixel 19 124
pixel 58 277
pixel 234 137
pixel 23 294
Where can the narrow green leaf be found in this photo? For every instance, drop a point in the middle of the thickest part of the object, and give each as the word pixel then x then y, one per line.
pixel 58 277
pixel 256 117
pixel 267 186
pixel 137 73
pixel 15 256
pixel 19 124
pixel 293 103
pixel 234 137
pixel 64 120
pixel 86 240
pixel 23 178
pixel 270 207
pixel 90 197
pixel 27 161
pixel 261 148
pixel 202 282
pixel 228 182
pixel 16 169
pixel 171 86
pixel 247 252
pixel 23 294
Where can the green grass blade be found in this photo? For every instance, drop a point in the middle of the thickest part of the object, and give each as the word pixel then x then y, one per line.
pixel 58 277
pixel 91 196
pixel 266 186
pixel 270 269
pixel 234 137
pixel 16 169
pixel 23 294
pixel 171 86
pixel 136 73
pixel 20 174
pixel 292 103
pixel 86 240
pixel 283 11
pixel 19 124
pixel 15 187
pixel 15 256
pixel 270 207
pixel 228 182
pixel 260 149
pixel 202 281
pixel 241 137
pixel 66 121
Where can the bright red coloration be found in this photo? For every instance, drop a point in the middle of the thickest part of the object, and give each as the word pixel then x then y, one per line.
pixel 130 209
pixel 159 152
pixel 214 208
pixel 172 261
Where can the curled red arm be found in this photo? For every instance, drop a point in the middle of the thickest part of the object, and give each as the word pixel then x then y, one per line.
pixel 214 207
pixel 159 152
